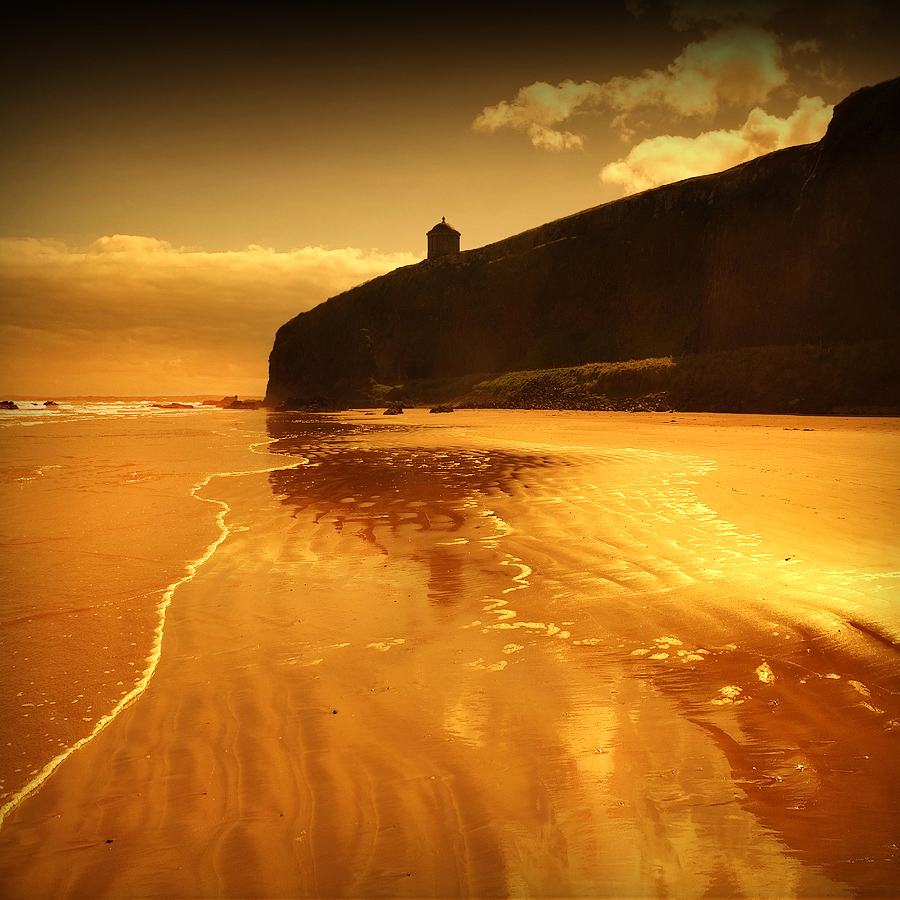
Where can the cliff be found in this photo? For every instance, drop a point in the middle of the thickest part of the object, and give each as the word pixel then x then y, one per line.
pixel 796 247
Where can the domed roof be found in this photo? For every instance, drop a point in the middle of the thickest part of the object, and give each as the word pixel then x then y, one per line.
pixel 443 226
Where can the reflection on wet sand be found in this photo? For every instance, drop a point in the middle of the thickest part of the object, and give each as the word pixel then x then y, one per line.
pixel 458 661
pixel 376 491
pixel 606 570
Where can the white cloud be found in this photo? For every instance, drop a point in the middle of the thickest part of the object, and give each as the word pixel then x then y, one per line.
pixel 737 66
pixel 537 107
pixel 550 139
pixel 135 315
pixel 668 158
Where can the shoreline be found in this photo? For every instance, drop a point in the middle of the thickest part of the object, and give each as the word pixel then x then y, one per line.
pixel 568 623
pixel 861 378
pixel 43 768
pixel 152 661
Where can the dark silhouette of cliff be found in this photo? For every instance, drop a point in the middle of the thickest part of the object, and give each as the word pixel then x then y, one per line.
pixel 796 247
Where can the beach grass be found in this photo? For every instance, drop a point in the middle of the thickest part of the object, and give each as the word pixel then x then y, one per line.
pixel 852 379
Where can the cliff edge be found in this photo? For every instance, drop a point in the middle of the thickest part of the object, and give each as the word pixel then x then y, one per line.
pixel 796 247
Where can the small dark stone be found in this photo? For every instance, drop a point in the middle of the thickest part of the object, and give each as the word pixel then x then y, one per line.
pixel 311 404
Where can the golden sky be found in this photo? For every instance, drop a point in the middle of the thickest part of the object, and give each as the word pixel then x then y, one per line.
pixel 175 187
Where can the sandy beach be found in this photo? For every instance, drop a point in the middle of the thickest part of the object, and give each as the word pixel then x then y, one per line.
pixel 503 653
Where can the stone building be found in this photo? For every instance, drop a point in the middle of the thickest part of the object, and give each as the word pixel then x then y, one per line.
pixel 443 239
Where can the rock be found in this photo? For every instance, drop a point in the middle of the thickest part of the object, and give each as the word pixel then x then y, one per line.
pixel 233 403
pixel 50 403
pixel 243 404
pixel 441 408
pixel 311 404
pixel 224 403
pixel 7 404
pixel 394 409
pixel 793 248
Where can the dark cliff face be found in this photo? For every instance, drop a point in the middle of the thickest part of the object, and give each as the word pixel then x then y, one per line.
pixel 799 246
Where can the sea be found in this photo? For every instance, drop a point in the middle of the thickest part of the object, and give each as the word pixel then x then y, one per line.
pixel 102 517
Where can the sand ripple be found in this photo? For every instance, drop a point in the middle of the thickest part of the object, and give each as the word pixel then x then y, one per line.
pixel 453 660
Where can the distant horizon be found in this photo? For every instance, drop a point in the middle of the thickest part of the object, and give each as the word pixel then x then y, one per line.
pixel 40 398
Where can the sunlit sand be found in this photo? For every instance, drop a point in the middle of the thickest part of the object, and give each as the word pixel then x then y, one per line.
pixel 499 654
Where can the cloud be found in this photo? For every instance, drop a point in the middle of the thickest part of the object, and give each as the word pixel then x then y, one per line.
pixel 537 107
pixel 135 315
pixel 737 66
pixel 668 158
pixel 550 139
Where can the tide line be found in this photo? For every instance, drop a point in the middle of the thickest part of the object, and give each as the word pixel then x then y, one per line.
pixel 156 652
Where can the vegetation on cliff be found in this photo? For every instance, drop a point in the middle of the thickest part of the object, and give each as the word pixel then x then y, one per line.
pixel 848 379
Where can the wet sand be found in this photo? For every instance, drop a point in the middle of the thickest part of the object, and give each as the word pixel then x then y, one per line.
pixel 512 654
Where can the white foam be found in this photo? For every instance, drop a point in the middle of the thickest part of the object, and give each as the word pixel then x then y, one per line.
pixel 156 652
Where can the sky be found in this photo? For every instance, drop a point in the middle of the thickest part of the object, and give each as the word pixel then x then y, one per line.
pixel 175 184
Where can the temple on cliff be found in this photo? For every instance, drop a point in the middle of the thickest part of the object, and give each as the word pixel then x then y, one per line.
pixel 443 239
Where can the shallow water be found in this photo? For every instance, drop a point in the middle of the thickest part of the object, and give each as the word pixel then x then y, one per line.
pixel 663 646
pixel 493 654
pixel 97 520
